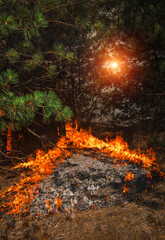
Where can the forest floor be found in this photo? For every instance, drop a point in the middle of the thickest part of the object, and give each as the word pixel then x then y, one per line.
pixel 143 219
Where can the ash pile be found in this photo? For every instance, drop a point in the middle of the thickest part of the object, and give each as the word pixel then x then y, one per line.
pixel 84 182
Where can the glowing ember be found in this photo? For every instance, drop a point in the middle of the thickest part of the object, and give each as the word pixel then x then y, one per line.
pixel 17 198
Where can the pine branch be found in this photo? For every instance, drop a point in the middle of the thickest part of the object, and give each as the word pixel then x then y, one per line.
pixel 60 22
pixel 35 134
pixel 11 9
pixel 21 84
pixel 65 5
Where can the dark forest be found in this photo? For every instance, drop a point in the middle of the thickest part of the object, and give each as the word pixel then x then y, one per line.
pixel 82 80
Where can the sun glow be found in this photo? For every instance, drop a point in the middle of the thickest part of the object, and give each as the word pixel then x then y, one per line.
pixel 112 65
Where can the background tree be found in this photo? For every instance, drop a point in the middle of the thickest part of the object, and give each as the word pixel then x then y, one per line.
pixel 133 33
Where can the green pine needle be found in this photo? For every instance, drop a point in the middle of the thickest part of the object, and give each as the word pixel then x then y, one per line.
pixel 12 55
pixel 40 21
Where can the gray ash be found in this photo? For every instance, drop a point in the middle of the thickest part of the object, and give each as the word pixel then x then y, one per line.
pixel 83 182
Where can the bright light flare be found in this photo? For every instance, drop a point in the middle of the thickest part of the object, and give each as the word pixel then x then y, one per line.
pixel 112 65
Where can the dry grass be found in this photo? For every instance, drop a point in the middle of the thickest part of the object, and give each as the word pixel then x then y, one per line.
pixel 144 219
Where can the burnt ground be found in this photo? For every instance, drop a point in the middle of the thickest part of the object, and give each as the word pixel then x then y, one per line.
pixel 142 219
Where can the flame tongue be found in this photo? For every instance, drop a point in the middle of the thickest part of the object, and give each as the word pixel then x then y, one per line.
pixel 129 176
pixel 17 198
pixel 117 148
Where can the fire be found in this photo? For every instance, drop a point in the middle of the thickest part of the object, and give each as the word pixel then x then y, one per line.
pixel 58 202
pixel 117 148
pixel 48 205
pixel 125 189
pixel 17 198
pixel 129 176
pixel 149 174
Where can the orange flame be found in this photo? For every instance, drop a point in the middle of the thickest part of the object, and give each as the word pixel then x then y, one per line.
pixel 43 164
pixel 129 176
pixel 48 205
pixel 149 175
pixel 40 167
pixel 58 202
pixel 125 189
pixel 117 148
pixel 76 125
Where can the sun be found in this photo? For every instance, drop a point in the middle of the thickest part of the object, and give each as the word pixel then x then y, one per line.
pixel 114 65
pixel 111 65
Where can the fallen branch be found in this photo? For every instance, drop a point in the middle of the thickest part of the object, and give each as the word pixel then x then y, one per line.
pixel 12 157
pixel 41 139
pixel 10 170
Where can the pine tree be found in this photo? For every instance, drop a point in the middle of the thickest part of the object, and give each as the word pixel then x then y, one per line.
pixel 34 48
pixel 19 111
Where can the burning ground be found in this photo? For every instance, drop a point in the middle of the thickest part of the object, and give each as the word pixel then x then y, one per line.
pixel 80 173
